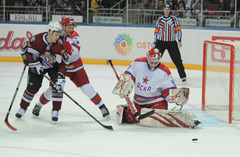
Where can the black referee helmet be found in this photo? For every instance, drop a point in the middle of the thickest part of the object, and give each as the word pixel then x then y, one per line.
pixel 167 6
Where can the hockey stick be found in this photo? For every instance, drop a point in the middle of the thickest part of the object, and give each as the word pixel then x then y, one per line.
pixel 179 108
pixel 132 106
pixel 105 126
pixel 14 96
pixel 142 116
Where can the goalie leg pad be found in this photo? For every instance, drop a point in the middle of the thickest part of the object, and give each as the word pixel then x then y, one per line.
pixel 166 118
pixel 124 114
pixel 120 111
pixel 130 115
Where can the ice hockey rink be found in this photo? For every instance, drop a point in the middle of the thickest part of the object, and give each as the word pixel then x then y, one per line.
pixel 77 134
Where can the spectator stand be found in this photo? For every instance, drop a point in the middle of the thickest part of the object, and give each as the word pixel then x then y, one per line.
pixel 196 13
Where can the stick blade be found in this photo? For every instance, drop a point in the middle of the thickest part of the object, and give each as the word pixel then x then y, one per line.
pixel 110 62
pixel 10 126
pixel 108 127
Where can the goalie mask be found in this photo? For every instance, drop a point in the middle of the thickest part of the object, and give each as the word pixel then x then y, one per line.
pixel 153 58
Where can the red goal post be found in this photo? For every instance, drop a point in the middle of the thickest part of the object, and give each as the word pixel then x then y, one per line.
pixel 220 78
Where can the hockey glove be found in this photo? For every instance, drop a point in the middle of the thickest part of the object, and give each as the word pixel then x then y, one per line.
pixel 67 47
pixel 60 83
pixel 36 68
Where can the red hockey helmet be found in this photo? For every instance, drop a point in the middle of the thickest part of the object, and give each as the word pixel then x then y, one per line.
pixel 68 21
pixel 153 58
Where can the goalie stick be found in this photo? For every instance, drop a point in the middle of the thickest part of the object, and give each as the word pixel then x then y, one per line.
pixel 105 126
pixel 14 96
pixel 132 106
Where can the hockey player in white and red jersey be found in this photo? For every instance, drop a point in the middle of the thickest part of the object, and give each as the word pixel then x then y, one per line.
pixel 154 88
pixel 75 72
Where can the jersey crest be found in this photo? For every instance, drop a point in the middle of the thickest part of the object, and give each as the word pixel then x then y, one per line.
pixel 48 58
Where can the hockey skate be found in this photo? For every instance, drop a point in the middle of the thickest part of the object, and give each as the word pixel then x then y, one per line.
pixel 55 115
pixel 20 113
pixel 104 110
pixel 36 110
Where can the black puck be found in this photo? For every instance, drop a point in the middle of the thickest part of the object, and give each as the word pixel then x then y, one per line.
pixel 195 139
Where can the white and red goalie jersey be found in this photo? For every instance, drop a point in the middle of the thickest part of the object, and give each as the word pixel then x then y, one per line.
pixel 150 86
pixel 75 61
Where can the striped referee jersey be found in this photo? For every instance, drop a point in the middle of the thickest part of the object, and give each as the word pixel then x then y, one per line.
pixel 167 28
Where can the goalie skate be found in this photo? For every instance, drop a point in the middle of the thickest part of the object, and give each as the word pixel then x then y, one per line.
pixel 196 123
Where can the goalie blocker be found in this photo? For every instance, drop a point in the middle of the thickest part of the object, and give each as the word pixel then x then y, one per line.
pixel 179 96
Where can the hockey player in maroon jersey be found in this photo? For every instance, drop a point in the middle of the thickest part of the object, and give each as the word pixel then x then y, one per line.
pixel 45 53
pixel 75 72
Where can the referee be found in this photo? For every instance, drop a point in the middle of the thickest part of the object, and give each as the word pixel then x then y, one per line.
pixel 166 30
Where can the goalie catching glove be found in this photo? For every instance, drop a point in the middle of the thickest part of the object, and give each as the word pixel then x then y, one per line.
pixel 179 96
pixel 124 86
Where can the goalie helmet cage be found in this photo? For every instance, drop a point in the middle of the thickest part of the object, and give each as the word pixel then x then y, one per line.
pixel 221 80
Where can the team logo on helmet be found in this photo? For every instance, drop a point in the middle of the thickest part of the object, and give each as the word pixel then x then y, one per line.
pixel 123 44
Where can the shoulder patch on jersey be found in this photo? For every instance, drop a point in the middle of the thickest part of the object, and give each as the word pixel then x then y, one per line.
pixel 141 59
pixel 76 40
pixel 164 68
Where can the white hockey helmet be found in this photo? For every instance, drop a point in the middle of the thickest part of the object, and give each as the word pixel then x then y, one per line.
pixel 54 26
pixel 153 58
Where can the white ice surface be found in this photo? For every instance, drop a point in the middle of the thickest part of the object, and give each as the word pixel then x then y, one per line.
pixel 77 134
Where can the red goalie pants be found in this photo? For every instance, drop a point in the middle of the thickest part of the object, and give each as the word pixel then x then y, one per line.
pixel 157 105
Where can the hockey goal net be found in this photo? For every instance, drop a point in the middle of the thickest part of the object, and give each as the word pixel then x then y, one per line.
pixel 221 79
